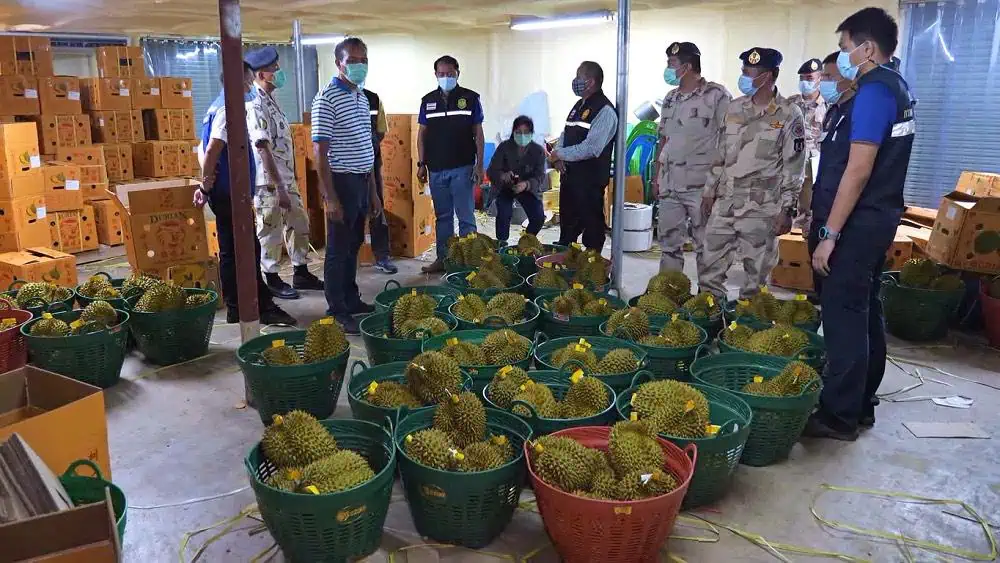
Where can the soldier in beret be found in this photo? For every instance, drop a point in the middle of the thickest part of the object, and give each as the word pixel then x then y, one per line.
pixel 813 108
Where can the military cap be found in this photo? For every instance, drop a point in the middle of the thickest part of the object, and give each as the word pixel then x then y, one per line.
pixel 761 56
pixel 261 58
pixel 811 66
pixel 684 49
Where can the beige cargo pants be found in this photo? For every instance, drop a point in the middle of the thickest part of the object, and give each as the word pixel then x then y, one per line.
pixel 277 227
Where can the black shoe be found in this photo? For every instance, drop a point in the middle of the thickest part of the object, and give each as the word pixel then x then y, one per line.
pixel 348 323
pixel 304 279
pixel 361 308
pixel 232 315
pixel 816 428
pixel 279 288
pixel 435 267
pixel 274 315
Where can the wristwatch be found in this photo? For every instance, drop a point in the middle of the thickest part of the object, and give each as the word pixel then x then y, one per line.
pixel 826 234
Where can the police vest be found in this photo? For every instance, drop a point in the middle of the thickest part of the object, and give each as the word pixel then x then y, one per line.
pixel 835 148
pixel 373 104
pixel 222 168
pixel 598 169
pixel 450 132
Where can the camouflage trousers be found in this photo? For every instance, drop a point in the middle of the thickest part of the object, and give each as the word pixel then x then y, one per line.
pixel 676 209
pixel 751 238
pixel 277 227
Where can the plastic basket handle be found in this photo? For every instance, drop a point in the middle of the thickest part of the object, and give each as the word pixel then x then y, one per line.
pixel 729 424
pixel 105 274
pixel 702 349
pixel 642 376
pixel 354 367
pixel 5 303
pixel 447 301
pixel 494 321
pixel 889 279
pixel 691 450
pixel 15 285
pixel 91 328
pixel 570 367
pixel 531 409
pixel 539 339
pixel 71 470
pixel 57 307
pixel 810 352
pixel 256 358
pixel 386 288
pixel 812 387
pixel 134 291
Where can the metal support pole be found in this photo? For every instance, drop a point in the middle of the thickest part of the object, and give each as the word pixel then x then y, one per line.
pixel 300 67
pixel 621 166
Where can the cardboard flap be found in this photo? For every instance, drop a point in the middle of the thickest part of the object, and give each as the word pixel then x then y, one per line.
pixel 61 531
pixel 40 252
pixel 35 387
pixel 19 258
pixel 153 196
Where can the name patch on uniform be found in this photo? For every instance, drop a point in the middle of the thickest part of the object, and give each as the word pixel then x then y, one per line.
pixel 432 105
pixel 777 124
pixel 799 144
pixel 462 103
pixel 586 114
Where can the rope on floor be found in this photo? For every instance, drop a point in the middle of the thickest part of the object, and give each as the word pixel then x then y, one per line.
pixel 913 362
pixel 191 501
pixel 148 373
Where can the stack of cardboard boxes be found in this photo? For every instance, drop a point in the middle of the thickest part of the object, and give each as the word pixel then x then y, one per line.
pixel 408 206
pixel 22 192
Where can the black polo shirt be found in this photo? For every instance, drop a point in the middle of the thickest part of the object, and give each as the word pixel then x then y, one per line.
pixel 450 122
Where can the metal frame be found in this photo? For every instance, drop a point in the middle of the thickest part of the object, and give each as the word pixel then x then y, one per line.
pixel 621 166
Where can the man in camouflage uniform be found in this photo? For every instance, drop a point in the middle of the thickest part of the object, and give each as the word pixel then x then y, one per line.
pixel 751 193
pixel 692 119
pixel 813 108
pixel 281 217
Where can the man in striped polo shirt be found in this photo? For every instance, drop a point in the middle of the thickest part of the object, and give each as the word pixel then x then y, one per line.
pixel 342 141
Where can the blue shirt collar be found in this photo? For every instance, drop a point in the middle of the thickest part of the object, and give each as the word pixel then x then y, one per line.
pixel 338 83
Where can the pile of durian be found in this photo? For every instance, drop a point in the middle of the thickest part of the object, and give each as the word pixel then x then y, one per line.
pixel 428 379
pixel 578 302
pixel 508 306
pixel 791 382
pixel 665 292
pixel 97 316
pixel 308 458
pixel 702 306
pixel 500 348
pixel 582 355
pixel 586 396
pixel 29 294
pixel 413 316
pixel 468 251
pixel 529 245
pixel 633 324
pixel 490 274
pixel 766 307
pixel 779 340
pixel 324 340
pixel 550 277
pixel 459 440
pixel 99 287
pixel 632 468
pixel 922 273
pixel 590 270
pixel 674 409
pixel 158 296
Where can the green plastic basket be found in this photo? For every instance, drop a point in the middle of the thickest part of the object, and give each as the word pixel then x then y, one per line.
pixel 467 509
pixel 526 327
pixel 94 357
pixel 116 283
pixel 717 456
pixel 357 388
pixel 777 421
pixel 458 282
pixel 313 388
pixel 481 375
pixel 526 265
pixel 813 354
pixel 757 323
pixel 558 381
pixel 383 349
pixel 83 489
pixel 172 337
pixel 384 301
pixel 556 326
pixel 666 363
pixel 332 527
pixel 917 315
pixel 601 345
pixel 536 292
pixel 37 306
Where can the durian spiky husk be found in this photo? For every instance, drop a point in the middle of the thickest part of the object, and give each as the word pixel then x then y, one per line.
pixel 325 340
pixel 617 361
pixel 432 375
pixel 296 440
pixel 673 408
pixel 463 417
pixel 505 385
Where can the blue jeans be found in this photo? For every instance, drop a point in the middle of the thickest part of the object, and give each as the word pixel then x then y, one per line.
pixel 452 193
pixel 532 208
pixel 343 241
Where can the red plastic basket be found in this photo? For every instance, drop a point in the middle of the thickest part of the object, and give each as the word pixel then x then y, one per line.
pixel 13 351
pixel 587 530
pixel 991 314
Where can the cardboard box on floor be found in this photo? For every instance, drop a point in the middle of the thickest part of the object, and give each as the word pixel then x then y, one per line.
pixel 411 226
pixel 175 93
pixel 62 187
pixel 794 269
pixel 27 184
pixel 105 94
pixel 73 231
pixel 966 233
pixel 145 93
pixel 38 264
pixel 108 220
pixel 212 233
pixel 36 234
pixel 83 534
pixel 18 214
pixel 634 192
pixel 62 418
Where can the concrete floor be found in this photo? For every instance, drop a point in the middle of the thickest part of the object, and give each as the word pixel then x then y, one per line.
pixel 180 434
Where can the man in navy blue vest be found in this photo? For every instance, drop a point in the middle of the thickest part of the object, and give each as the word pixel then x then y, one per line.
pixel 857 205
pixel 214 156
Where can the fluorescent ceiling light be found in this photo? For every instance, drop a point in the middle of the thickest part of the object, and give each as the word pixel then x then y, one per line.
pixel 322 39
pixel 569 20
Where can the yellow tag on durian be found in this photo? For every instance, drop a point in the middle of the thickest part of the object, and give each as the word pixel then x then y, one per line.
pixel 675 316
pixel 409 438
pixel 632 400
pixel 576 245
pixel 312 489
pixel 277 419
pixel 372 387
pixel 538 448
pixel 546 264
pixel 580 348
pixel 758 379
pixel 471 276
pixel 744 302
pixel 76 324
pixel 801 297
pixel 505 370
pixel 452 341
pixel 689 406
pixel 459 456
pixel 326 321
pixel 602 301
pixel 764 290
pixel 277 343
pixel 634 416
pixel 577 376
pixel 499 440
pixel 461 298
pixel 590 260
pixel 732 325
pixel 712 430
pixel 711 301
pixel 46 315
pixel 577 286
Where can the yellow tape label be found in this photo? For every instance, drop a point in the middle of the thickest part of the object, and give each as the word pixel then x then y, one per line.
pixel 801 297
pixel 326 321
pixel 277 343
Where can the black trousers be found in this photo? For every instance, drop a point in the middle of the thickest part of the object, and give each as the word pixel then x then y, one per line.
pixel 220 203
pixel 378 229
pixel 581 211
pixel 343 241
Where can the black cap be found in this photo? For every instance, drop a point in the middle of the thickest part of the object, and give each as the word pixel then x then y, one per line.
pixel 811 66
pixel 762 57
pixel 683 48
pixel 261 58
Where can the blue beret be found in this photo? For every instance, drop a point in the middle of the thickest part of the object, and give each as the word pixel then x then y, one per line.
pixel 811 66
pixel 761 56
pixel 261 58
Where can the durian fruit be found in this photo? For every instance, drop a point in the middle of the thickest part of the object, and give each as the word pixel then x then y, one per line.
pixel 493 264
pixel 432 375
pixel 338 472
pixel 390 395
pixel 580 294
pixel 296 440
pixel 760 386
pixel 737 335
pixel 655 341
pixel 563 463
pixel 49 326
pixel 465 353
pixel 948 282
pixel 410 307
pixel 780 340
pixel 162 298
pixel 418 328
pixel 619 360
pixel 196 300
pixel 32 291
pixel 631 323
pixel 579 352
pixel 100 312
pixel 470 308
pixel 487 454
pixel 679 333
pixel 594 269
pixel 529 245
pixel 763 305
pixel 433 448
pixel 549 278
pixel 586 396
pixel 539 396
pixel 325 340
pixel 656 304
pixel 141 281
pixel 632 447
pixel 574 256
pixel 508 306
pixel 470 249
pixel 918 273
pixel 598 308
pixel 288 479
pixel 279 354
pixel 463 417
pixel 505 384
pixel 563 306
pixel 672 283
pixel 505 347
pixel 672 408
pixel 702 306
pixel 796 311
pixel 108 292
pixel 484 279
pixel 638 485
pixel 94 284
pixel 792 381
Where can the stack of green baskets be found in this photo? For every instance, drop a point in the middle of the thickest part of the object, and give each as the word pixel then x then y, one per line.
pixel 917 314
pixel 467 509
pixel 172 337
pixel 444 295
pixel 313 388
pixel 718 456
pixel 382 347
pixel 558 381
pixel 89 490
pixel 331 527
pixel 777 421
pixel 813 354
pixel 94 356
pixel 600 345
pixel 666 363
pixel 481 375
pixel 460 282
pixel 38 306
pixel 357 390
pixel 556 326
pixel 526 327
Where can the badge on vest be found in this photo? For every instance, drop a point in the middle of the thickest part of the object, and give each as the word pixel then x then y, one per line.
pixel 586 114
pixel 462 104
pixel 432 105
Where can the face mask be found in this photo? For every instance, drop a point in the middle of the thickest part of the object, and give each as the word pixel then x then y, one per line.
pixel 806 87
pixel 278 79
pixel 828 89
pixel 848 70
pixel 670 76
pixel 746 85
pixel 579 86
pixel 522 139
pixel 250 95
pixel 356 72
pixel 447 83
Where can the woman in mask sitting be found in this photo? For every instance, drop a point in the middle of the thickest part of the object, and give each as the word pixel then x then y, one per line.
pixel 517 171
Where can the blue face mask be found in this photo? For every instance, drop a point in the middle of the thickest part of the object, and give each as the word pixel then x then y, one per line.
pixel 746 85
pixel 828 89
pixel 278 80
pixel 251 95
pixel 356 72
pixel 523 139
pixel 579 86
pixel 670 76
pixel 848 70
pixel 807 87
pixel 447 83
